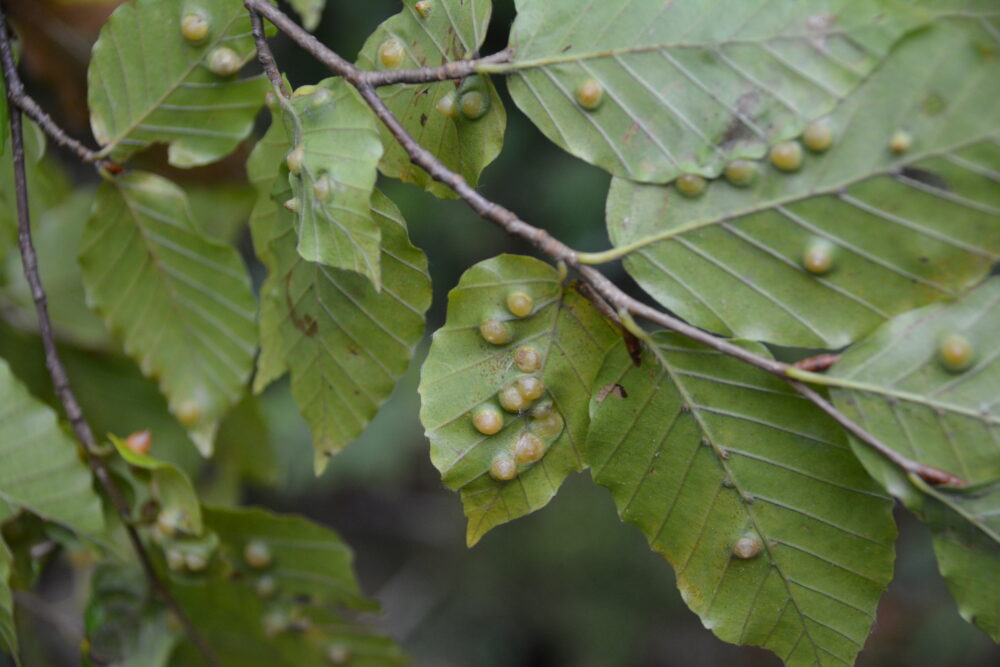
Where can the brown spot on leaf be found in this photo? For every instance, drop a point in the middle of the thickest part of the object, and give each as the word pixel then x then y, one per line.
pixel 307 324
pixel 611 389
pixel 423 120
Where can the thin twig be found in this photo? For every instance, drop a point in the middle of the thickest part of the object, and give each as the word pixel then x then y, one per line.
pixel 60 380
pixel 559 251
pixel 458 69
pixel 264 54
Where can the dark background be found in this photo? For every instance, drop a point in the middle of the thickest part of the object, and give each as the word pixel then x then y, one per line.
pixel 567 586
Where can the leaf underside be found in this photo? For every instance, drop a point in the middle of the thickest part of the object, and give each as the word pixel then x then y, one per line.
pixel 42 471
pixel 345 344
pixel 463 372
pixel 689 87
pixel 905 230
pixel 454 30
pixel 147 84
pixel 894 385
pixel 699 451
pixel 340 150
pixel 181 302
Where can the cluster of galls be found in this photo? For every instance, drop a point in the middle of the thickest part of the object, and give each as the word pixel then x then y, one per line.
pixel 183 552
pixel 520 397
pixel 196 28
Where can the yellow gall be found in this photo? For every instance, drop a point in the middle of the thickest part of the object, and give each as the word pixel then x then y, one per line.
pixel 900 142
pixel 590 94
pixel 140 441
pixel 530 387
pixel 266 586
pixel 547 426
pixel 487 420
pixel 955 352
pixel 818 257
pixel 818 136
pixel 690 185
pixel 474 104
pixel 503 468
pixel 512 400
pixel 194 27
pixel 391 53
pixel 747 547
pixel 337 654
pixel 424 8
pixel 294 159
pixel 223 61
pixel 528 359
pixel 448 105
pixel 528 449
pixel 257 554
pixel 741 173
pixel 495 332
pixel 520 304
pixel 189 413
pixel 787 155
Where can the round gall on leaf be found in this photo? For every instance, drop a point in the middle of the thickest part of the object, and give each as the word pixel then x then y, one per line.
pixel 266 586
pixel 257 554
pixel 424 8
pixel 495 332
pixel 547 426
pixel 818 257
pixel 195 562
pixel 503 468
pixel 530 387
pixel 448 105
pixel 590 94
pixel 391 53
pixel 528 359
pixel 474 104
pixel 175 559
pixel 487 420
pixel 690 185
pixel 189 413
pixel 512 400
pixel 323 188
pixel 528 449
pixel 194 27
pixel 956 353
pixel 294 159
pixel 140 441
pixel 223 61
pixel 337 654
pixel 520 304
pixel 818 136
pixel 275 622
pixel 747 547
pixel 741 173
pixel 900 142
pixel 168 522
pixel 292 205
pixel 787 155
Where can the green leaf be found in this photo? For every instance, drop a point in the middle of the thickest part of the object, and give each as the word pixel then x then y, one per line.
pixel 56 234
pixel 8 631
pixel 453 30
pixel 345 344
pixel 295 622
pixel 169 486
pixel 463 373
pixel 688 87
pixel 42 470
pixel 904 229
pixel 148 84
pixel 307 560
pixel 243 629
pixel 311 12
pixel 333 172
pixel 701 451
pixel 896 386
pixel 180 301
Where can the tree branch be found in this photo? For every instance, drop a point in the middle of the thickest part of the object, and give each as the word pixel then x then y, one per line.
pixel 264 54
pixel 60 380
pixel 365 83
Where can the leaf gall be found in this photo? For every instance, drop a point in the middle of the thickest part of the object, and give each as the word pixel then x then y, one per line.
pixel 520 304
pixel 741 173
pixel 487 420
pixel 223 61
pixel 528 359
pixel 955 352
pixel 818 136
pixel 495 332
pixel 787 155
pixel 257 554
pixel 590 94
pixel 747 547
pixel 690 185
pixel 391 53
pixel 503 468
pixel 194 27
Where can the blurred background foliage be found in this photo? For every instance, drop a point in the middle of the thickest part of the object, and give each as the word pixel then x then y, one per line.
pixel 570 585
